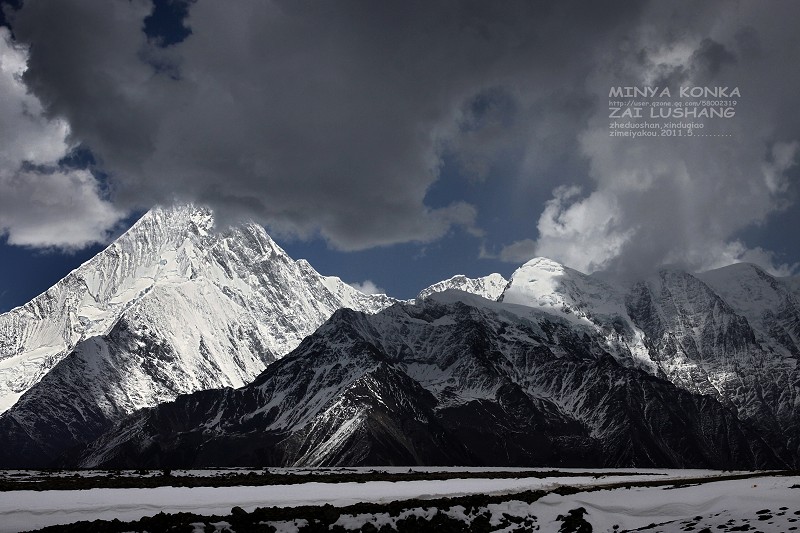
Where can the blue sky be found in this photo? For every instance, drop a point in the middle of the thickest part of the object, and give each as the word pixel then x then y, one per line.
pixel 397 144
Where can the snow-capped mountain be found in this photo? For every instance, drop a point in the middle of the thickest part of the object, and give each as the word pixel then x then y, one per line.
pixel 553 366
pixel 452 379
pixel 711 334
pixel 89 301
pixel 771 306
pixel 730 333
pixel 489 287
pixel 565 368
pixel 170 307
pixel 583 300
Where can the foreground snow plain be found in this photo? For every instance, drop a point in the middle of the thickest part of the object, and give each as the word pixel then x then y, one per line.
pixel 718 505
pixel 731 504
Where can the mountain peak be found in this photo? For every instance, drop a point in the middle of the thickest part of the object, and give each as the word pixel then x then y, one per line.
pixel 740 271
pixel 89 300
pixel 542 282
pixel 543 263
pixel 233 296
pixel 581 299
pixel 489 287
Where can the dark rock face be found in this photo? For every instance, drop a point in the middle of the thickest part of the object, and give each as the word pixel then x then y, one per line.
pixel 454 380
pixel 743 353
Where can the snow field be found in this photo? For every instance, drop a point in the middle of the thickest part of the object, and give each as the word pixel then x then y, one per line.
pixel 28 509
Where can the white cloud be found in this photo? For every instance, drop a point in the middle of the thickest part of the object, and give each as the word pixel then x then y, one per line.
pixel 25 134
pixel 784 157
pixel 40 204
pixel 680 201
pixel 367 287
pixel 582 233
pixel 723 254
pixel 58 209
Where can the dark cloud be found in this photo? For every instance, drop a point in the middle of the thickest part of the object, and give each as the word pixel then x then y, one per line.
pixel 314 117
pixel 684 201
pixel 710 56
pixel 46 200
pixel 334 119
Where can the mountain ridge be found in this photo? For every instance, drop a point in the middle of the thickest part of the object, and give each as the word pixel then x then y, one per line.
pixel 174 307
pixel 451 378
pixel 169 308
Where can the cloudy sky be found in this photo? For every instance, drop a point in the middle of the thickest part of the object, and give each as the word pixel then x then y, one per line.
pixel 398 143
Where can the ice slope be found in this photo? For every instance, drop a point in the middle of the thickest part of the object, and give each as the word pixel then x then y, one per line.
pixel 557 289
pixel 717 334
pixel 89 300
pixel 345 294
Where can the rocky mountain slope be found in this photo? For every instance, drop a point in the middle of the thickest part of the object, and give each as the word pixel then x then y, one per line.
pixel 730 333
pixel 453 379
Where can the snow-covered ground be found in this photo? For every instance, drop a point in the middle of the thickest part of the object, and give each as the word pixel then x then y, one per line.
pixel 20 510
pixel 766 504
pixel 628 508
pixel 731 503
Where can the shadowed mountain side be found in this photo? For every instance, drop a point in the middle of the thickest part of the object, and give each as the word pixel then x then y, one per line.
pixel 455 379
